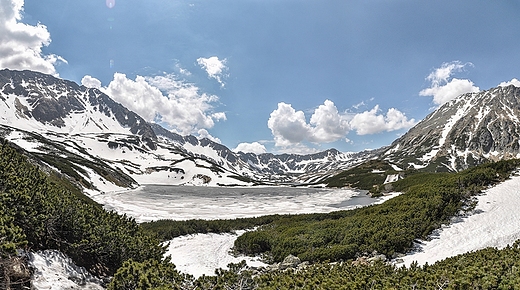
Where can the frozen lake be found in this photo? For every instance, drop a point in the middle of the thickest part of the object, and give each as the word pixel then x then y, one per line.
pixel 203 253
pixel 153 202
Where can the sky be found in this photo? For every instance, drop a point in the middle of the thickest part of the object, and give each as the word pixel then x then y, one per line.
pixel 279 76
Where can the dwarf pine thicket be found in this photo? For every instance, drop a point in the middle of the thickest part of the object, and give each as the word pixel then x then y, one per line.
pixel 43 211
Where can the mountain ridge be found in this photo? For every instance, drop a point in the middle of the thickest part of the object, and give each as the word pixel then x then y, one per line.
pixel 469 130
pixel 77 117
pixel 87 124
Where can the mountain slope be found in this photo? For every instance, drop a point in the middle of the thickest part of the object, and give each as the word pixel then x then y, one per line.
pixel 101 145
pixel 40 102
pixel 466 131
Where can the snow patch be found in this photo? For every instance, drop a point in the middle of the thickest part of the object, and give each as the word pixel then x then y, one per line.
pixel 396 168
pixel 54 270
pixel 392 178
pixel 494 223
pixel 202 254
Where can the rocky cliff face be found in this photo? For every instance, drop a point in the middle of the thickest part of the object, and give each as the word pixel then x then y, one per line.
pixel 468 130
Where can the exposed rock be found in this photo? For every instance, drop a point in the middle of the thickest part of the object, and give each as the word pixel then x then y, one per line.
pixel 469 130
pixel 360 261
pixel 376 258
pixel 14 272
pixel 304 265
pixel 290 262
pixel 368 259
pixel 203 178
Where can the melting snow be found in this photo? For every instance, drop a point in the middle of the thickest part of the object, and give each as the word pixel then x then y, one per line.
pixel 391 178
pixel 201 254
pixel 54 270
pixel 494 223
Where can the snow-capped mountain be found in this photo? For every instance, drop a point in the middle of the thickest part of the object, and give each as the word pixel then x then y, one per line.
pixel 84 134
pixel 38 102
pixel 466 131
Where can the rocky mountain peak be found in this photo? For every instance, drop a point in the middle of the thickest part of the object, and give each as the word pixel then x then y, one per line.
pixel 466 131
pixel 46 101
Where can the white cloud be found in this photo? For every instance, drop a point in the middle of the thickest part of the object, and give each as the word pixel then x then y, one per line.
pixel 299 148
pixel 254 147
pixel 443 88
pixel 21 44
pixel 214 67
pixel 91 82
pixel 372 122
pixel 182 70
pixel 328 124
pixel 513 82
pixel 289 127
pixel 167 100
pixel 219 116
pixel 397 120
pixel 203 133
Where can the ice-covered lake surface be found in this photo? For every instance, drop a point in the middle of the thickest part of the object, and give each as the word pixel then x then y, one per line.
pixel 153 202
pixel 203 253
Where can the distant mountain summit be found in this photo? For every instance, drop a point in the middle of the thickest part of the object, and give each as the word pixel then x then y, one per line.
pixel 84 134
pixel 37 101
pixel 102 145
pixel 469 130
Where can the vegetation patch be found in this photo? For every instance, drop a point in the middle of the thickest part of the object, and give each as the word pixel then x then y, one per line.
pixel 369 176
pixel 40 211
pixel 429 200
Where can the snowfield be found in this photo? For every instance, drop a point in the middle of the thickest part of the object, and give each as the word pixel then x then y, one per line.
pixel 54 270
pixel 202 254
pixel 495 222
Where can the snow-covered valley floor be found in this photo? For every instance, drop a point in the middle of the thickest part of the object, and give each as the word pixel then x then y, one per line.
pixel 495 222
pixel 204 253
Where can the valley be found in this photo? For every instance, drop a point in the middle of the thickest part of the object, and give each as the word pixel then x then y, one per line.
pixel 445 188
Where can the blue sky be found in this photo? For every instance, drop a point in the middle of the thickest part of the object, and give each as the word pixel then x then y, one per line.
pixel 265 75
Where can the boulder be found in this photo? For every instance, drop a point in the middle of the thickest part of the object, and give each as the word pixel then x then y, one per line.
pixel 290 262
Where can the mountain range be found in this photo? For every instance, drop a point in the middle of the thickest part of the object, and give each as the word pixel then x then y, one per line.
pixel 101 145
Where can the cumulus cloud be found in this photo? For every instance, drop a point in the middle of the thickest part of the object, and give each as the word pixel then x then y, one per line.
pixel 254 147
pixel 327 124
pixel 214 67
pixel 167 100
pixel 372 122
pixel 443 87
pixel 21 44
pixel 288 126
pixel 91 82
pixel 513 82
pixel 203 133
